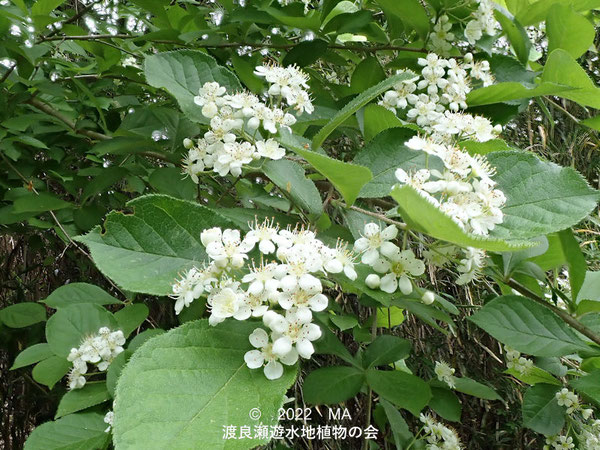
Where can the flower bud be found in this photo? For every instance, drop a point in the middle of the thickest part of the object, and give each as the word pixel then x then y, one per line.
pixel 188 143
pixel 373 281
pixel 428 298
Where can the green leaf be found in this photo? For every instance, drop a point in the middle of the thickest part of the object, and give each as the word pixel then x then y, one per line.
pixel 590 290
pixel 569 30
pixel 541 197
pixel 131 317
pixel 331 385
pixel 73 293
pixel 22 315
pixel 76 431
pixel 483 148
pixel 91 394
pixel 385 349
pixel 512 90
pixel 329 344
pixel 168 180
pixel 183 72
pixel 516 35
pixel 290 178
pixel 344 322
pixel 533 376
pixel 474 388
pixel 575 261
pixel 402 389
pixel 347 178
pixel 146 251
pixel 69 325
pixel 383 155
pixel 182 387
pixel 410 12
pixel 115 369
pixel 355 104
pixel 45 7
pixel 31 355
pixel 50 370
pixel 427 218
pixel 531 12
pixel 541 411
pixel 589 386
pixel 368 73
pixel 138 340
pixel 400 431
pixel 305 53
pixel 445 403
pixel 39 203
pixel 377 119
pixel 527 327
pixel 562 68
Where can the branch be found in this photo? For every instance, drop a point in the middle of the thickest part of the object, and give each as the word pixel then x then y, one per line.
pixel 357 48
pixel 559 312
pixel 66 120
pixel 381 217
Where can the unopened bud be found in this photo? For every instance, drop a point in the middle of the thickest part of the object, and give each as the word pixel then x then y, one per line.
pixel 373 281
pixel 188 143
pixel 428 298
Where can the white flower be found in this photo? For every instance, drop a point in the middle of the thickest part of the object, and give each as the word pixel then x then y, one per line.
pixel 227 302
pixel 471 265
pixel 75 380
pixel 233 157
pixel 261 279
pixel 402 265
pixel 210 98
pixel 339 260
pixel 265 234
pixel 109 418
pixel 375 242
pixel 473 31
pixel 445 373
pixel 270 149
pixel 265 356
pixel 229 250
pixel 310 298
pixel 293 329
pixel 190 287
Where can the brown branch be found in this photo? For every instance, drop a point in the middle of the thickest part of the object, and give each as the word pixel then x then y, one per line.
pixel 357 48
pixel 559 312
pixel 66 120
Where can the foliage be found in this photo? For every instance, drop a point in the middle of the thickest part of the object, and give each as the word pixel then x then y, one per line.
pixel 291 186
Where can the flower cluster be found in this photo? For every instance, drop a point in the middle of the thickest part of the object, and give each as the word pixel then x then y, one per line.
pixel 445 373
pixel 483 22
pixel 571 401
pixel 99 349
pixel 443 85
pixel 236 121
pixel 559 443
pixel 464 189
pixel 438 436
pixel 514 360
pixel 384 257
pixel 469 266
pixel 284 289
pixel 590 436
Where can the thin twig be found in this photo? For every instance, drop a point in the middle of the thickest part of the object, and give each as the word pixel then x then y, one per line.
pixel 66 120
pixel 381 217
pixel 358 48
